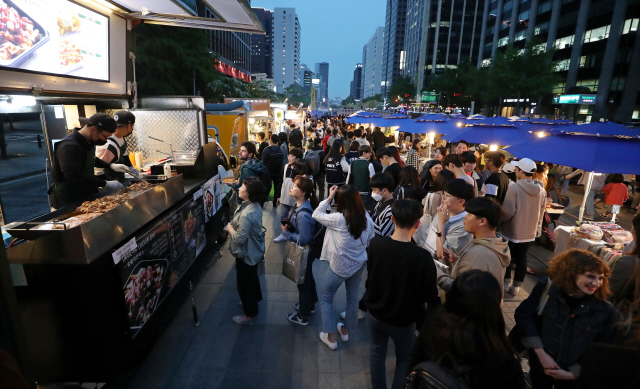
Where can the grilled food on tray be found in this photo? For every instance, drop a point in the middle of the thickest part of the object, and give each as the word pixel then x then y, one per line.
pixel 17 33
pixel 107 203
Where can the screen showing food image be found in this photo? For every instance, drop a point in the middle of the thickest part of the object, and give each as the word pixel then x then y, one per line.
pixel 56 37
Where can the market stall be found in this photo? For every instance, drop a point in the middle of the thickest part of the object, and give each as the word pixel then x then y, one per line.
pixel 606 240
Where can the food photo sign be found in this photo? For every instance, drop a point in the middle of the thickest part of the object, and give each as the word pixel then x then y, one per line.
pixel 57 37
pixel 151 263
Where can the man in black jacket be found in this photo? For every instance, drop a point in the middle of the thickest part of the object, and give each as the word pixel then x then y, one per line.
pixel 272 158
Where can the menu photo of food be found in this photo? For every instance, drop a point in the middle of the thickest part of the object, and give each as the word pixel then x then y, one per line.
pixel 59 37
pixel 142 291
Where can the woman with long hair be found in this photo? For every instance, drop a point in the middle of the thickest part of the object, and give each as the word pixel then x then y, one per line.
pixel 300 228
pixel 336 165
pixel 409 185
pixel 349 231
pixel 440 153
pixel 564 315
pixel 396 155
pixel 413 156
pixel 429 173
pixel 467 335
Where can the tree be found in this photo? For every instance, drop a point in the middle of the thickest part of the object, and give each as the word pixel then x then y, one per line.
pixel 349 101
pixel 261 89
pixel 297 94
pixel 168 59
pixel 402 90
pixel 375 98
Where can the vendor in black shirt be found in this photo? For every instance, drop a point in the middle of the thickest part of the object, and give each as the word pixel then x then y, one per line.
pixel 74 161
pixel 385 156
pixel 497 184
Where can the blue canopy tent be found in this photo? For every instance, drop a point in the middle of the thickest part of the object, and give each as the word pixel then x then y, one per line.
pixel 599 129
pixel 477 116
pixel 585 152
pixel 457 116
pixel 429 124
pixel 563 121
pixel 395 120
pixel 490 135
pixel 363 118
pixel 494 121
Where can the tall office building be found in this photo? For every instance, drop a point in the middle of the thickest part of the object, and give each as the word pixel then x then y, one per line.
pixel 449 34
pixel 307 80
pixel 598 51
pixel 322 70
pixel 303 69
pixel 394 29
pixel 232 49
pixel 372 64
pixel 412 35
pixel 262 45
pixel 356 84
pixel 286 48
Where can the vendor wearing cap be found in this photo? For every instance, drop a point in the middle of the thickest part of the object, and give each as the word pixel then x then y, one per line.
pixel 74 161
pixel 115 151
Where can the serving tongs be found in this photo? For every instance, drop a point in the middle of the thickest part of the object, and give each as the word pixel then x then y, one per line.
pixel 137 176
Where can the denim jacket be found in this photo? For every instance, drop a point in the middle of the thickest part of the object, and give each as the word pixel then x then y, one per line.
pixel 303 223
pixel 247 241
pixel 564 334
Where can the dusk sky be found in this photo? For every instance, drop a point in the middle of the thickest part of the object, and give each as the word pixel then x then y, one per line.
pixel 333 31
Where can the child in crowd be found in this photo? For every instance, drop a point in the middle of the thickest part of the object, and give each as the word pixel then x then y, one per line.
pixel 615 194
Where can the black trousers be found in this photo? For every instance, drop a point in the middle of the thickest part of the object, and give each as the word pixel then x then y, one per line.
pixel 307 291
pixel 277 187
pixel 519 257
pixel 248 285
pixel 539 380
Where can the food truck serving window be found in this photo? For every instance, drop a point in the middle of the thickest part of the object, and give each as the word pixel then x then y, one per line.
pixel 57 37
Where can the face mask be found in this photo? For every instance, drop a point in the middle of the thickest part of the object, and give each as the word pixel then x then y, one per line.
pixel 376 196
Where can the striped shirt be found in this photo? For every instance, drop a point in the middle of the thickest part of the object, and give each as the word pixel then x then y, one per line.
pixel 344 253
pixel 382 218
pixel 412 158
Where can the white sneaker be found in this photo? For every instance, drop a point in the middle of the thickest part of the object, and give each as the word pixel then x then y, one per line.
pixel 345 338
pixel 324 337
pixel 361 314
pixel 280 238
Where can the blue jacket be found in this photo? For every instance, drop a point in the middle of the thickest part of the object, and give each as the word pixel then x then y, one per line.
pixel 251 168
pixel 564 334
pixel 248 240
pixel 304 224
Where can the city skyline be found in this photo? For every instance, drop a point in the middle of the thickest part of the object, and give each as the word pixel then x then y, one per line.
pixel 331 46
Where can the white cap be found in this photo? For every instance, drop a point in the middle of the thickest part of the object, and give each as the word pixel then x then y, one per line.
pixel 526 165
pixel 508 168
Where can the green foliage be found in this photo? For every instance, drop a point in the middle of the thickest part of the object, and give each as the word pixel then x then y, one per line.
pixel 403 89
pixel 168 57
pixel 513 73
pixel 297 94
pixel 349 101
pixel 374 98
pixel 232 87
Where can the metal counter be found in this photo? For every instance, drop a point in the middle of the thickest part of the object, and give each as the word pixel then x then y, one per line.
pixel 87 242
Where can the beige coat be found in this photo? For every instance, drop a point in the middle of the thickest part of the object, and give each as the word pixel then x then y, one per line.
pixel 524 207
pixel 489 254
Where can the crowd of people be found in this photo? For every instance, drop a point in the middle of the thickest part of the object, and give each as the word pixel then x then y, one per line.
pixel 438 243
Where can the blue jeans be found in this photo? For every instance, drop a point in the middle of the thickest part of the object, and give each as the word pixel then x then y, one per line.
pixel 403 338
pixel 560 179
pixel 589 206
pixel 330 286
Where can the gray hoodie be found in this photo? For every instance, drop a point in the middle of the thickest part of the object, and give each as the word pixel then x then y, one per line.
pixel 524 207
pixel 487 254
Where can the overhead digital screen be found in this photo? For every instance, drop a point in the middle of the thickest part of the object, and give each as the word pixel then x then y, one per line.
pixel 57 37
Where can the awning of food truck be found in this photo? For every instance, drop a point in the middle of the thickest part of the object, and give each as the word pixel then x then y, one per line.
pixel 229 15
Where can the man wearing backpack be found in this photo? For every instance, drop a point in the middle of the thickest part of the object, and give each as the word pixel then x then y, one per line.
pixel 361 171
pixel 319 178
pixel 272 159
pixel 252 167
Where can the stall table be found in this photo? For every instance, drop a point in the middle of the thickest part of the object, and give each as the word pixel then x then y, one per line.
pixel 566 240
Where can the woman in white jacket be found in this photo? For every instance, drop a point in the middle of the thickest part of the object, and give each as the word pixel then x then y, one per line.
pixel 349 231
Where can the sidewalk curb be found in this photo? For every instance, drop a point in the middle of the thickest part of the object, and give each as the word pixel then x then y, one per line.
pixel 15 179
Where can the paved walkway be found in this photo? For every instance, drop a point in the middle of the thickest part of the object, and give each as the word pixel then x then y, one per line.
pixel 273 353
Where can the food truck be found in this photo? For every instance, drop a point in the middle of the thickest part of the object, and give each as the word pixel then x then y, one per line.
pixel 89 280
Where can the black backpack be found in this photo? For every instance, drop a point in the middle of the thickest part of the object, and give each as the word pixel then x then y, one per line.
pixel 275 162
pixel 431 375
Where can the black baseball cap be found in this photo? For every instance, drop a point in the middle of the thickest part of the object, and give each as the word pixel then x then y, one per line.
pixel 124 117
pixel 101 120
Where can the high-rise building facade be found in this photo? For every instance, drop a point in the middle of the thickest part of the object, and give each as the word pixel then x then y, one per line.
pixel 307 80
pixel 262 45
pixel 286 48
pixel 230 48
pixel 372 64
pixel 412 35
pixel 450 34
pixel 356 84
pixel 322 70
pixel 597 46
pixel 303 69
pixel 394 29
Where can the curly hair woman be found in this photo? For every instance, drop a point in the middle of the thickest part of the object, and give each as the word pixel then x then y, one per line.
pixel 575 315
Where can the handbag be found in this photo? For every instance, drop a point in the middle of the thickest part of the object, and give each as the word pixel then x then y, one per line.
pixel 294 265
pixel 516 334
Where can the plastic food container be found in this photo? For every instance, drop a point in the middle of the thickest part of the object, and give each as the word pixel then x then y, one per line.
pixel 182 157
